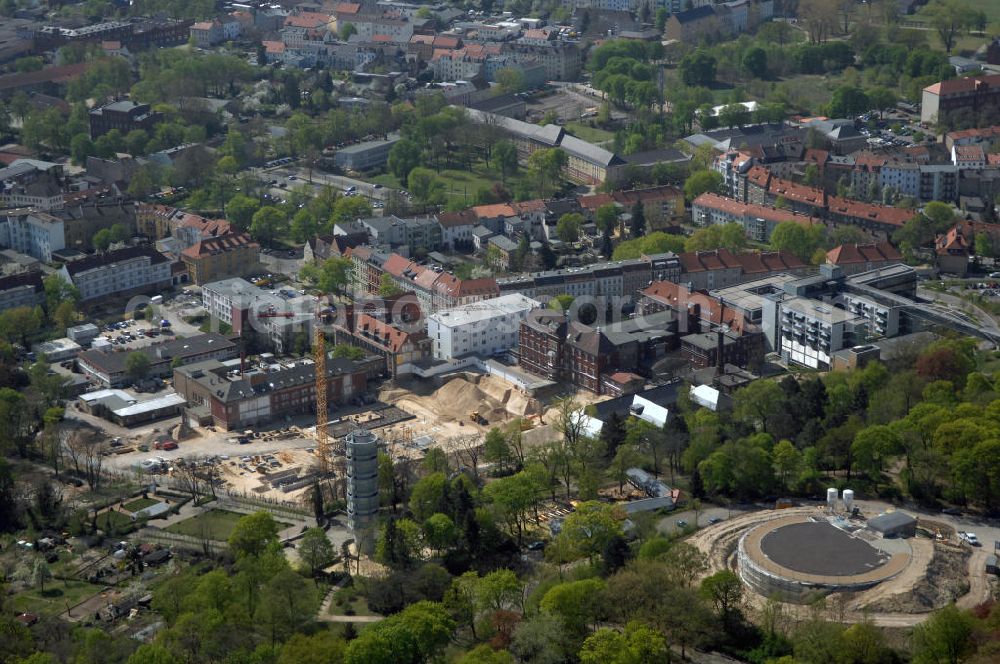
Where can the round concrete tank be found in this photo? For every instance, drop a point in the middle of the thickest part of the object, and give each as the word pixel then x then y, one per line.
pixel 848 499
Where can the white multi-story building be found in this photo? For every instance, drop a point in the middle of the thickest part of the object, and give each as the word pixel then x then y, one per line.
pixel 483 328
pixel 808 332
pixel 121 272
pixel 37 234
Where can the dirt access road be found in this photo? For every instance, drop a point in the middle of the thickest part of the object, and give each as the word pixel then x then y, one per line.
pixel 718 542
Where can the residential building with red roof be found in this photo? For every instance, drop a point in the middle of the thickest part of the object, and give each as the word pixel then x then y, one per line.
pixel 970 95
pixel 880 220
pixel 720 268
pixel 216 258
pixel 854 258
pixel 401 344
pixel 758 221
pixel 662 206
pixel 953 250
pixel 971 136
pixel 968 156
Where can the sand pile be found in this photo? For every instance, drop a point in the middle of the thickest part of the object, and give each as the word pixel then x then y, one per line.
pixel 491 397
pixel 459 397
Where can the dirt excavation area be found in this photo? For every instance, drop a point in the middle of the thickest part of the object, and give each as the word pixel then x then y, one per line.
pixel 447 413
pixel 939 572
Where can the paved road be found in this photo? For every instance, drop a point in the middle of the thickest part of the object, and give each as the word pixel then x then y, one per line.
pixel 668 524
pixel 321 178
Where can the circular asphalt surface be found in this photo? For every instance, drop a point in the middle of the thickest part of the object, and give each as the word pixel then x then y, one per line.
pixel 820 548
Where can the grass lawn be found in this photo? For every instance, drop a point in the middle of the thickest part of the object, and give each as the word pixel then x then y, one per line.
pixel 989 7
pixel 217 525
pixel 54 599
pixel 140 504
pixel 588 133
pixel 105 520
pixel 359 606
pixel 386 180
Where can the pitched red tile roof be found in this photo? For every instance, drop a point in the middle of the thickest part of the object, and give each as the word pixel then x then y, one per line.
pixel 759 176
pixel 214 245
pixel 799 193
pixel 734 207
pixel 391 337
pixel 963 85
pixel 852 254
pixel 710 309
pixel 396 265
pixel 878 213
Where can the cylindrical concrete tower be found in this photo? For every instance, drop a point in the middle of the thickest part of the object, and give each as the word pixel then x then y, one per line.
pixel 362 479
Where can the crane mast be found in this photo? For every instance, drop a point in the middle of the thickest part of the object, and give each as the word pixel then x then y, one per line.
pixel 322 442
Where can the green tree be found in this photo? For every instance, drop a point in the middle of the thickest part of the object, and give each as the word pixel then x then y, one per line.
pixel 755 62
pixel 848 101
pixel 426 186
pixel 303 225
pixel 440 532
pixel 40 573
pixel 137 365
pixel 267 223
pixel 787 461
pixel 697 68
pixel 568 227
pixel 387 286
pixel 505 157
pixel 725 590
pixel 253 534
pixel 323 647
pixel 588 530
pixel 101 239
pixel 403 158
pixel 606 218
pixel 513 498
pixel 577 603
pixel 510 80
pixel 949 18
pixel 944 638
pixel 872 446
pixel 725 236
pixel 349 352
pixel 81 147
pixel 240 211
pixel 417 634
pixel 797 239
pixel 701 182
pixel 758 403
pixel 637 644
pixel 546 168
pixel 638 223
pixel 315 549
pixel 334 275
pixel 350 208
pixel 346 30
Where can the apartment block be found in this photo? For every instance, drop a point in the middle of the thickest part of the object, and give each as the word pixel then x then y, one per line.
pixel 119 273
pixel 215 258
pixel 483 329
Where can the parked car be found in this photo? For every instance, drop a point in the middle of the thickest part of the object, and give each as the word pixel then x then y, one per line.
pixel 969 538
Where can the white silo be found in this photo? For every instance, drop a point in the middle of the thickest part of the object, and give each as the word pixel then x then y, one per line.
pixel 848 499
pixel 831 499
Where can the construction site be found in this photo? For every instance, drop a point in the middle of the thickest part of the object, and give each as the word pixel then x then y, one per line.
pixel 280 461
pixel 892 566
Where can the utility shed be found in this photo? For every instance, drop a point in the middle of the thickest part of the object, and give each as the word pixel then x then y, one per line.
pixel 991 565
pixel 894 524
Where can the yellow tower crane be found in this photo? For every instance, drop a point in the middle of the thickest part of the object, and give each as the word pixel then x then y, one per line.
pixel 322 441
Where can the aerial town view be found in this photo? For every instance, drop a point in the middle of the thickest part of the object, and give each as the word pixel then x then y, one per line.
pixel 469 332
